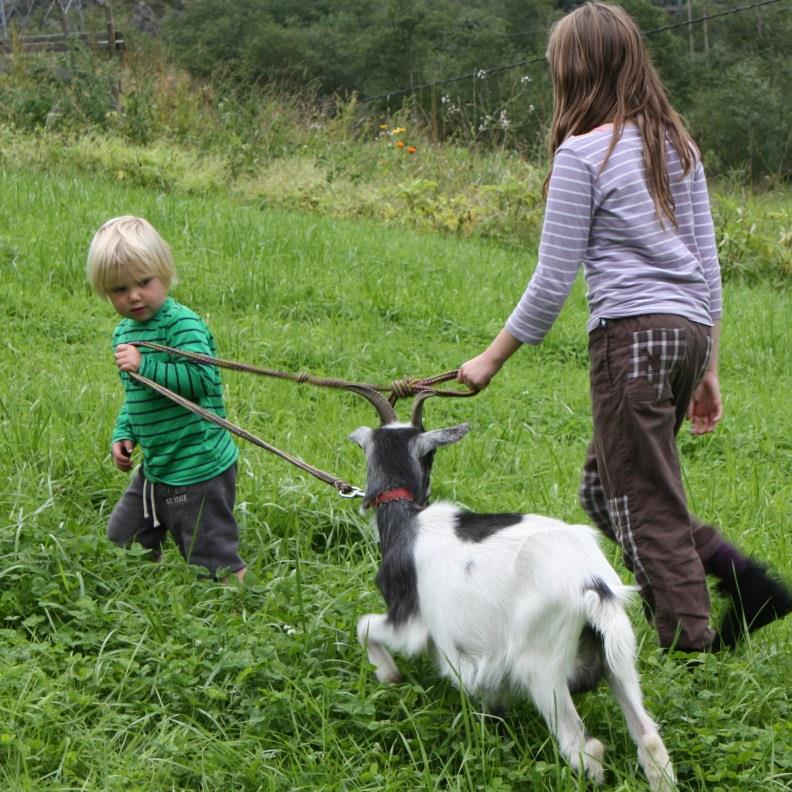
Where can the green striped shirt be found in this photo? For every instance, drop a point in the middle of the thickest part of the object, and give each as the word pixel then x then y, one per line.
pixel 179 447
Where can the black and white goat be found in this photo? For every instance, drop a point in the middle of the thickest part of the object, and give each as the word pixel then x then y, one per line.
pixel 509 604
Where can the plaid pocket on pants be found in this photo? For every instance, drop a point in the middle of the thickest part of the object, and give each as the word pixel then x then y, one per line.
pixel 655 355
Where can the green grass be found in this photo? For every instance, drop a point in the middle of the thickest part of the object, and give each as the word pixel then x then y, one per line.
pixel 350 172
pixel 116 674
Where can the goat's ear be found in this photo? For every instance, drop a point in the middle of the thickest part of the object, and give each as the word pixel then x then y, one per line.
pixel 435 438
pixel 361 436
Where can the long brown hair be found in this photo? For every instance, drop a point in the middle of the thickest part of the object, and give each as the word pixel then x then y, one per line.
pixel 602 73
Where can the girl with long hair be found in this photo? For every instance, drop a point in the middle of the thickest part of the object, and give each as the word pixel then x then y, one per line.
pixel 627 197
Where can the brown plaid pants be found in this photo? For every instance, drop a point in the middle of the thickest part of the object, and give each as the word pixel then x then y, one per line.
pixel 643 373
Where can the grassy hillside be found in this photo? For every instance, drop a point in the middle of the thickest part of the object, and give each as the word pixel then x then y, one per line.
pixel 122 675
pixel 340 167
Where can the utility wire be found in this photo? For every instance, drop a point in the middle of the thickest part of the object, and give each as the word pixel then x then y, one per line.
pixel 710 16
pixel 477 73
pixel 484 73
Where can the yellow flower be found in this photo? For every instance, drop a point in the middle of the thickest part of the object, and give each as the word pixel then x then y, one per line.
pixel 397 131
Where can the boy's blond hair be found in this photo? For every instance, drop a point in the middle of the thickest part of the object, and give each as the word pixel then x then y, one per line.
pixel 128 247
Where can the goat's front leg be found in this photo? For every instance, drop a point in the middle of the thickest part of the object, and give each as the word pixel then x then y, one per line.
pixel 372 632
pixel 375 631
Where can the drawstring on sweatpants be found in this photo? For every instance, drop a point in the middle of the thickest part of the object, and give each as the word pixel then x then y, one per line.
pixel 150 484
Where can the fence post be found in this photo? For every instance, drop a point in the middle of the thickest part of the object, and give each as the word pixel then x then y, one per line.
pixel 110 28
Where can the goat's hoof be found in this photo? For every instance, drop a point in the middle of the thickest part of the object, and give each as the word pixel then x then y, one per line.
pixel 593 754
pixel 388 676
pixel 656 763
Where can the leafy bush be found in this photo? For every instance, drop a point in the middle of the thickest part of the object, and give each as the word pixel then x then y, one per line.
pixel 67 91
pixel 754 236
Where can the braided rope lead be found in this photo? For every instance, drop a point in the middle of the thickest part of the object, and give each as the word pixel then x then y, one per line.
pixel 345 489
pixel 398 389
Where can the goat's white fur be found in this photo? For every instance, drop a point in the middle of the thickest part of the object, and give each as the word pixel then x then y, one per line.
pixel 503 617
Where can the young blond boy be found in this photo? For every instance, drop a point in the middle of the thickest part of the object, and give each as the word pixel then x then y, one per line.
pixel 186 485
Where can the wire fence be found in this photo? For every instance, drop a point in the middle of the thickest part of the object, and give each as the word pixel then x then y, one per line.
pixel 481 74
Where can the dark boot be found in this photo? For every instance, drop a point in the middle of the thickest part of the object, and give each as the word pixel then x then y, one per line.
pixel 756 600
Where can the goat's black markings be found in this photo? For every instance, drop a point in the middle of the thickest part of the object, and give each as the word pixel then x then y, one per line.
pixel 471 527
pixel 589 662
pixel 460 649
pixel 397 578
pixel 391 466
pixel 600 587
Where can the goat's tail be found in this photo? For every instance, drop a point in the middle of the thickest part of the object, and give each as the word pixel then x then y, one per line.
pixel 605 611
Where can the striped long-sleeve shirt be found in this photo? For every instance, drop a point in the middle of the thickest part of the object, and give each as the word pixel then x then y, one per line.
pixel 633 263
pixel 179 447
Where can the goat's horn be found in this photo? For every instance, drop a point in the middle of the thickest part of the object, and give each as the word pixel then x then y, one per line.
pixel 383 407
pixel 417 411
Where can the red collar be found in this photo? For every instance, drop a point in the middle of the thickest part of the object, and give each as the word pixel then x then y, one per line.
pixel 400 493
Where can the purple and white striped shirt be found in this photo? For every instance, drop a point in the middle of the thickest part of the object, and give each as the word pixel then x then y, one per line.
pixel 607 221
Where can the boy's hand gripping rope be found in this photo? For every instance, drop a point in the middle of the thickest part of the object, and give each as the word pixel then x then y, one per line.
pixel 396 390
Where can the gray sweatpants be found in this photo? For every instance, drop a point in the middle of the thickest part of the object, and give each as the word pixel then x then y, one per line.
pixel 644 370
pixel 199 517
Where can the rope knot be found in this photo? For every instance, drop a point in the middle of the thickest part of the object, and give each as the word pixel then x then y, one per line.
pixel 402 388
pixel 303 377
